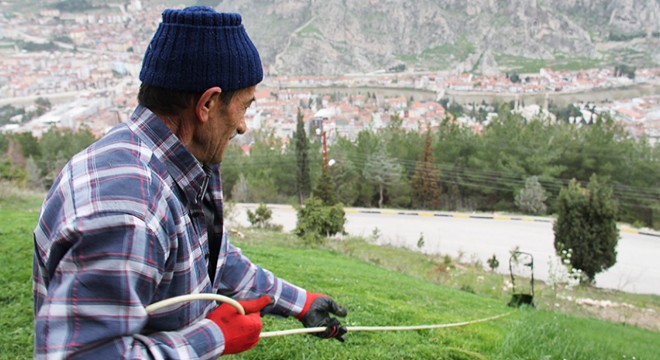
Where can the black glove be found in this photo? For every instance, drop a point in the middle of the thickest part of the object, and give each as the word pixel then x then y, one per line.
pixel 316 313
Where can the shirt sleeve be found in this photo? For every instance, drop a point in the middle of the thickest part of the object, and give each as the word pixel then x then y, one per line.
pixel 241 279
pixel 101 273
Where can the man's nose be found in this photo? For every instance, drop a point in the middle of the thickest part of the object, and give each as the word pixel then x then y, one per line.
pixel 242 127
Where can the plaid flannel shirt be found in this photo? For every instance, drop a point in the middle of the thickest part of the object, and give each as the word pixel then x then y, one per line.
pixel 121 228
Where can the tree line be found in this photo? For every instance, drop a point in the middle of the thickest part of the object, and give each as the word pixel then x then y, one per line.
pixel 513 165
pixel 31 162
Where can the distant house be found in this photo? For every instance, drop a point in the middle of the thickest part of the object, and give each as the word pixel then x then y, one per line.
pixel 49 13
pixel 9 128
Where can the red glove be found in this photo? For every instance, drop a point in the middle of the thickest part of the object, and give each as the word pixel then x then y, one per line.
pixel 241 331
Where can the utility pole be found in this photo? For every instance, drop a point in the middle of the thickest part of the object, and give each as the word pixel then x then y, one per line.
pixel 325 151
pixel 324 137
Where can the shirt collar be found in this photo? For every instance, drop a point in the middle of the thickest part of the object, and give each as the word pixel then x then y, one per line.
pixel 186 171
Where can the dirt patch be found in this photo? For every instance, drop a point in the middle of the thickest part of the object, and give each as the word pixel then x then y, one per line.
pixel 644 318
pixel 619 312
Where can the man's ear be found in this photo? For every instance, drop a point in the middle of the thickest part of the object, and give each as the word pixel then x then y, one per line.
pixel 207 102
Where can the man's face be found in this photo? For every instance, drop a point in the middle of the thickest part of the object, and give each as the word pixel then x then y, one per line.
pixel 225 121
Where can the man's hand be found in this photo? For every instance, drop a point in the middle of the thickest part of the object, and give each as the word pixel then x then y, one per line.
pixel 241 331
pixel 316 313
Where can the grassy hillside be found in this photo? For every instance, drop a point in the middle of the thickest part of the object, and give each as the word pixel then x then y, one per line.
pixel 18 215
pixel 380 297
pixel 374 295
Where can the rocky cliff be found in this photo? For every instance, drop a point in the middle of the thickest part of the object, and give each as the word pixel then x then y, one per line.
pixel 343 36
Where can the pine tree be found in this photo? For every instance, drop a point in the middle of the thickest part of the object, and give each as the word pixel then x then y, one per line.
pixel 316 221
pixel 303 179
pixel 325 189
pixel 382 171
pixel 586 227
pixel 426 180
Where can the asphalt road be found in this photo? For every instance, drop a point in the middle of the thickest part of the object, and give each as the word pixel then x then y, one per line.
pixel 637 269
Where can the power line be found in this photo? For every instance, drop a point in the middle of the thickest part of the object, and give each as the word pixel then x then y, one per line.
pixel 494 180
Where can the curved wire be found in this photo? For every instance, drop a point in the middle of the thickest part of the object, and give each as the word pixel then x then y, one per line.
pixel 382 328
pixel 216 297
pixel 190 297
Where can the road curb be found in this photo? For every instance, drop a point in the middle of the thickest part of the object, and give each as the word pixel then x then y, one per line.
pixel 499 217
pixel 451 215
pixel 483 217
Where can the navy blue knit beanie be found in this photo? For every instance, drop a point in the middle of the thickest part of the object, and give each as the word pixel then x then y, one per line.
pixel 197 48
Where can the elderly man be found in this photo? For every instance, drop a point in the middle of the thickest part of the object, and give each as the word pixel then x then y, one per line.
pixel 137 217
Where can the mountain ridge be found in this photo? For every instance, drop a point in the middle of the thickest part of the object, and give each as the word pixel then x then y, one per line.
pixel 490 37
pixel 343 36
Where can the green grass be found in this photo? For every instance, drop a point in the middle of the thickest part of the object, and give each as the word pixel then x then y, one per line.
pixel 310 30
pixel 377 296
pixel 381 286
pixel 630 56
pixel 18 216
pixel 561 62
pixel 569 62
pixel 443 56
pixel 520 64
pixel 564 62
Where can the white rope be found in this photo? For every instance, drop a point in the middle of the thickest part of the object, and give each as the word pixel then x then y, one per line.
pixel 217 297
pixel 191 297
pixel 380 328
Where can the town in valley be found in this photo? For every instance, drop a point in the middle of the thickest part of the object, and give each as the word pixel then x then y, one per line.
pixel 85 67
